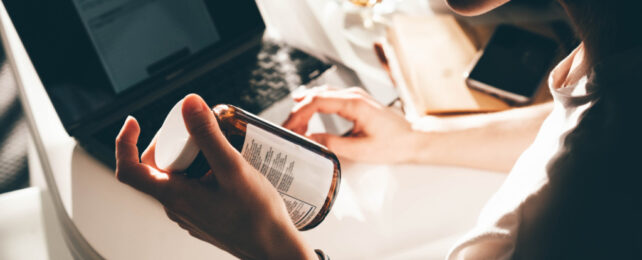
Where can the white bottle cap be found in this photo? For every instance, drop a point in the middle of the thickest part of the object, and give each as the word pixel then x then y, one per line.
pixel 175 148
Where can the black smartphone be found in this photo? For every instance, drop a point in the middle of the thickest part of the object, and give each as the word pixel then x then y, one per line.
pixel 513 64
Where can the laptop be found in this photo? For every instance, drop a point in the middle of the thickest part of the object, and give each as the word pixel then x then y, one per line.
pixel 100 61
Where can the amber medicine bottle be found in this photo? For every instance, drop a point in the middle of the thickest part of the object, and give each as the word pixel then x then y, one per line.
pixel 306 174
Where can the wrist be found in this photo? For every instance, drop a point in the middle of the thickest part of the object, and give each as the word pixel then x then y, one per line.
pixel 418 146
pixel 287 243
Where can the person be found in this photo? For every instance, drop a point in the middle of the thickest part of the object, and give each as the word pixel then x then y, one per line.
pixel 572 192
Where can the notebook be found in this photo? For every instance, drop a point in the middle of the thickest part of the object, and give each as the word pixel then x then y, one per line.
pixel 429 58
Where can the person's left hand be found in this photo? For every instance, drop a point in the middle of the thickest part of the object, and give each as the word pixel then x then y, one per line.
pixel 233 207
pixel 379 135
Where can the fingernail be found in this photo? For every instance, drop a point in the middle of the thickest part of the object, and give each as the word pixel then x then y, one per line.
pixel 193 104
pixel 129 119
pixel 299 92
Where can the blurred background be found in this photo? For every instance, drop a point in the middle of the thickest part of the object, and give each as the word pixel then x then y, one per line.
pixel 13 133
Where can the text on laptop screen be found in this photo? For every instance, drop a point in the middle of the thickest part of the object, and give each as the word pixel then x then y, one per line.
pixel 101 59
pixel 136 38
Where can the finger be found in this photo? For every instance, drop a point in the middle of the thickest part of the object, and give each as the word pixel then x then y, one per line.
pixel 201 123
pixel 172 216
pixel 347 105
pixel 196 233
pixel 126 150
pixel 149 155
pixel 128 168
pixel 298 96
pixel 302 130
pixel 209 179
pixel 293 123
pixel 346 147
pixel 359 91
pixel 144 178
pixel 301 94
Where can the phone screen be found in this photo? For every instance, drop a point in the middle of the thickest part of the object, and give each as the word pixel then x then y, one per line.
pixel 515 60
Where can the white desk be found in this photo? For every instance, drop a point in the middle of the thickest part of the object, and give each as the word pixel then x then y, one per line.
pixel 382 211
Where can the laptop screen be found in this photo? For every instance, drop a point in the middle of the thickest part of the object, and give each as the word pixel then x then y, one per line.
pixel 136 38
pixel 99 56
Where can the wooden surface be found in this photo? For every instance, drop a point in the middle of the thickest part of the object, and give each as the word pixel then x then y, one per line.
pixel 434 55
pixel 420 70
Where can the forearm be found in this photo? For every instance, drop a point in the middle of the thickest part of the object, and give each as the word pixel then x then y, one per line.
pixel 489 141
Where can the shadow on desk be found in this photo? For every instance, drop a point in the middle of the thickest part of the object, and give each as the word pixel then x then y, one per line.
pixel 381 211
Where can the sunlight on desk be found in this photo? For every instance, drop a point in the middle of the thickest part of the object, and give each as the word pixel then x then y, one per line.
pixel 381 210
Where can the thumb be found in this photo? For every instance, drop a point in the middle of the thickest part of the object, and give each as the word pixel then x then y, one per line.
pixel 202 126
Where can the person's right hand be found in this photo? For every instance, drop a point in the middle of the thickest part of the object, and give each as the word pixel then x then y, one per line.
pixel 379 135
pixel 233 206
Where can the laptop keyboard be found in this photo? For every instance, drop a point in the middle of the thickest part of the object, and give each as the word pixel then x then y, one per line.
pixel 253 82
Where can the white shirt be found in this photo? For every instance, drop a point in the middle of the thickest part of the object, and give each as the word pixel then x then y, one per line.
pixel 544 209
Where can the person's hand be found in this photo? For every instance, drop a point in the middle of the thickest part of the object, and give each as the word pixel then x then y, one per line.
pixel 233 206
pixel 379 134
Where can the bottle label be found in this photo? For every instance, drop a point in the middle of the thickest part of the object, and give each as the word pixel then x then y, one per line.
pixel 302 177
